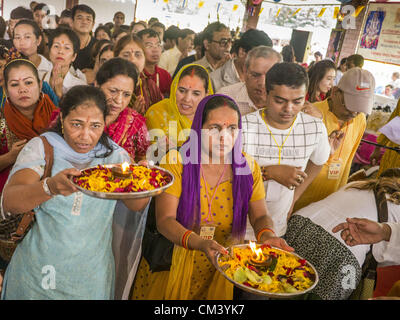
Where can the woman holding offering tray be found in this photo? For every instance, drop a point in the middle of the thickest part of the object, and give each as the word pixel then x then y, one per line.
pixel 205 210
pixel 70 241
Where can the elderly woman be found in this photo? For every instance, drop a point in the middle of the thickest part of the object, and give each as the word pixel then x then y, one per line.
pixel 216 186
pixel 173 116
pixel 26 114
pixel 64 47
pixel 130 47
pixel 72 232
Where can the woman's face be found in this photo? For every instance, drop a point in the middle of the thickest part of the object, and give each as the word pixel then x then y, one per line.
pixel 23 88
pixel 189 93
pixel 327 81
pixel 107 55
pixel 220 132
pixel 133 53
pixel 25 40
pixel 62 51
pixel 118 91
pixel 102 35
pixel 83 127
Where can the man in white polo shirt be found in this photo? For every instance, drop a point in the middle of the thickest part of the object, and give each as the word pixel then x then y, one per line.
pixel 289 145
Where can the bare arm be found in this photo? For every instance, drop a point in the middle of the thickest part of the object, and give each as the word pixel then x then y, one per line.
pixel 260 219
pixel 312 171
pixel 26 184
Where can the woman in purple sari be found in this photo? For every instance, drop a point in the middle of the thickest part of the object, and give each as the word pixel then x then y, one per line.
pixel 216 186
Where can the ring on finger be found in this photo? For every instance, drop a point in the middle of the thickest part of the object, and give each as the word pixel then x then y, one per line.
pixel 291 187
pixel 299 179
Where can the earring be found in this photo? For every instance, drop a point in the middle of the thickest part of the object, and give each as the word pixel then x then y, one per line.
pixel 62 129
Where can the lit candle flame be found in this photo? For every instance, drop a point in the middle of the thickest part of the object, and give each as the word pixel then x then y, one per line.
pixel 256 252
pixel 125 166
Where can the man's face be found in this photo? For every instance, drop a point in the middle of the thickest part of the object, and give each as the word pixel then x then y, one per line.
pixel 83 22
pixel 217 49
pixel 119 20
pixel 255 78
pixel 339 108
pixel 283 105
pixel 186 44
pixel 152 49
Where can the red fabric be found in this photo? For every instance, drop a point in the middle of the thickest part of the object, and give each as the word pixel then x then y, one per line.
pixel 130 132
pixel 164 79
pixel 151 93
pixel 386 278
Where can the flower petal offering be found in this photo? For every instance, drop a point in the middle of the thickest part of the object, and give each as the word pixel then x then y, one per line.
pixel 123 181
pixel 264 270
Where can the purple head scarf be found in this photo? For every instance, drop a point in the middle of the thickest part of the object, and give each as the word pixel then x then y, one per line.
pixel 188 213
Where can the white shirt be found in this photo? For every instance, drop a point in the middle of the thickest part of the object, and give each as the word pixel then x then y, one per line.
pixel 354 203
pixel 72 78
pixel 238 92
pixel 169 59
pixel 44 67
pixel 307 141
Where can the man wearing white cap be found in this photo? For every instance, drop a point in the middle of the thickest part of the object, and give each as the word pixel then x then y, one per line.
pixel 344 113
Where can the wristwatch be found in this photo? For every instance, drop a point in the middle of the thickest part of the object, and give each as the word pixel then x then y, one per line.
pixel 46 188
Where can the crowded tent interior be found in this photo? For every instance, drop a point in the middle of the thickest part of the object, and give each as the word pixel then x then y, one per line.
pixel 200 150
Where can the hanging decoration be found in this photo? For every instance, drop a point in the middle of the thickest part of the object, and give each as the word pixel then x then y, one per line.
pixel 256 2
pixel 235 7
pixel 261 10
pixel 218 7
pixel 296 12
pixel 336 12
pixel 321 13
pixel 358 10
pixel 201 4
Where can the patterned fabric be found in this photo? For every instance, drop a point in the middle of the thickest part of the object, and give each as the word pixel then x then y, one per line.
pixel 306 141
pixel 238 92
pixel 334 263
pixel 130 132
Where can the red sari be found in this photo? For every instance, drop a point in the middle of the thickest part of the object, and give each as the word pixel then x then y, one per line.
pixel 130 132
pixel 149 90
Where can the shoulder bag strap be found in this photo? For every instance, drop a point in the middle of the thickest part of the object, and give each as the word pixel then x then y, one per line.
pixel 29 216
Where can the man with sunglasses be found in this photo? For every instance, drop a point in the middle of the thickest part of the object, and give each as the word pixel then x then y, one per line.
pixel 217 43
pixel 344 114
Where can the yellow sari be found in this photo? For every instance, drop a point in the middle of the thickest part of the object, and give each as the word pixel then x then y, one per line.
pixel 165 115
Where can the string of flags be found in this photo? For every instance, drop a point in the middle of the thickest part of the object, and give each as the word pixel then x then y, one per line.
pixel 252 10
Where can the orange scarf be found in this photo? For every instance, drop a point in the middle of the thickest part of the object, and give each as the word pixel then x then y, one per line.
pixel 24 128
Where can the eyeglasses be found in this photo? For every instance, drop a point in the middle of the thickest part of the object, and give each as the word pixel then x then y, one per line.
pixel 223 42
pixel 151 46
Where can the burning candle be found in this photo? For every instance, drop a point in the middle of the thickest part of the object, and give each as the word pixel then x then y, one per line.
pixel 257 258
pixel 121 171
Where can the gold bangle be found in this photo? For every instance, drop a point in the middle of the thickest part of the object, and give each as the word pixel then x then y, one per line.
pixel 259 234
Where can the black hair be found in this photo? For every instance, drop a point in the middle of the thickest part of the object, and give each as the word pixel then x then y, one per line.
pixel 149 32
pixel 115 67
pixel 316 73
pixel 108 47
pixel 3 27
pixel 157 24
pixel 43 7
pixel 72 36
pixel 218 102
pixel 288 54
pixel 171 33
pixel 199 72
pixel 153 20
pixel 119 12
pixel 83 8
pixel 208 32
pixel 36 29
pixel 104 28
pixel 16 64
pixel 97 46
pixel 77 96
pixel 254 38
pixel 117 32
pixel 356 59
pixel 67 13
pixel 183 33
pixel 21 13
pixel 289 74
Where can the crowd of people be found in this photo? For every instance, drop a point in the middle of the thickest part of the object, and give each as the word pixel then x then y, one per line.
pixel 260 147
